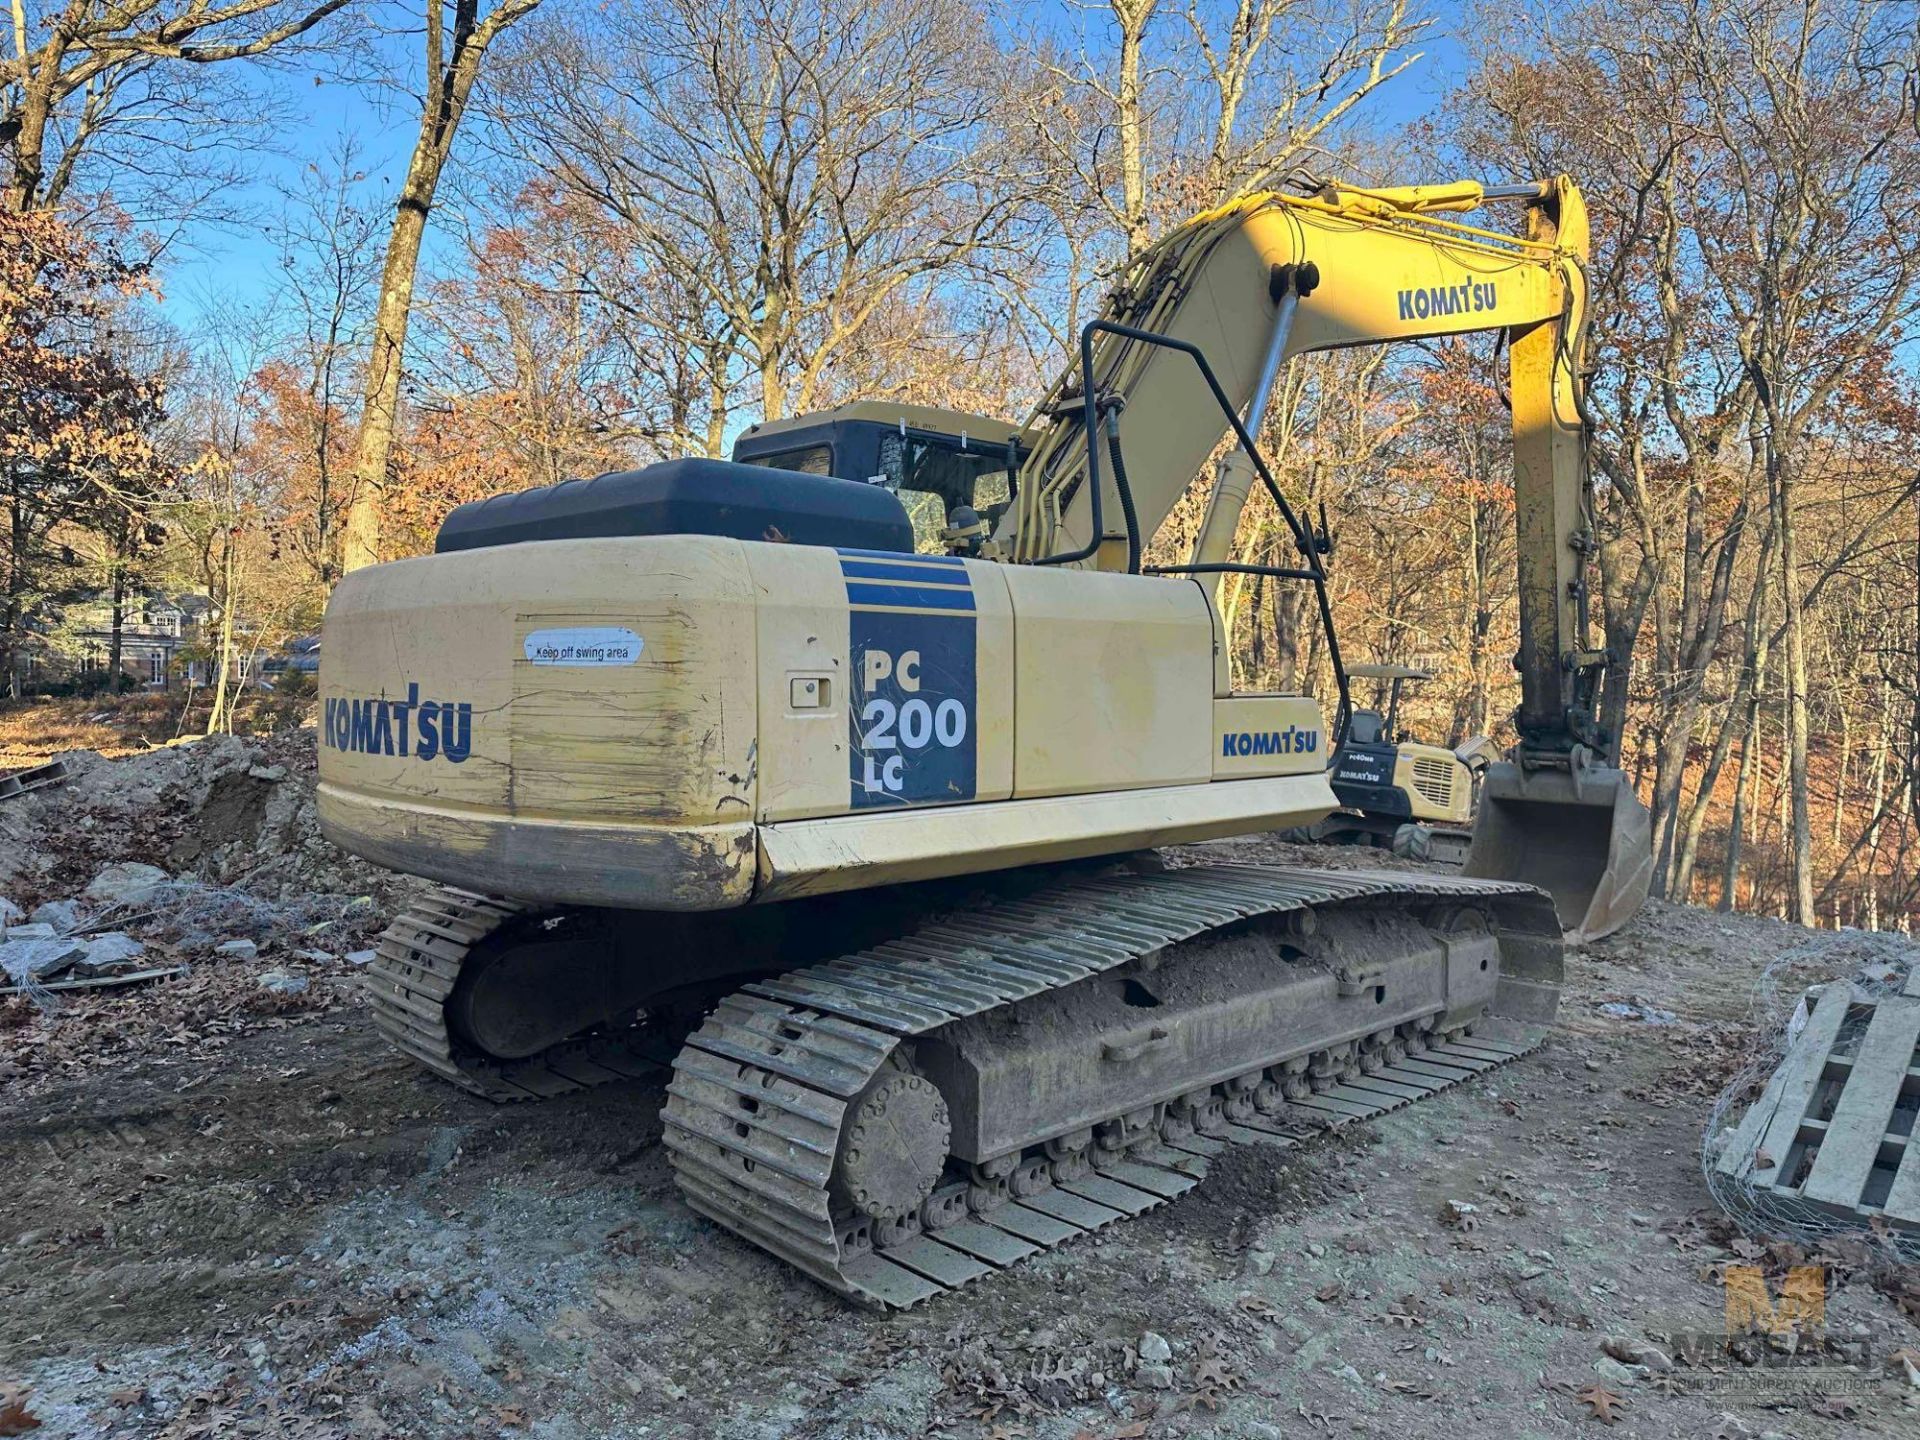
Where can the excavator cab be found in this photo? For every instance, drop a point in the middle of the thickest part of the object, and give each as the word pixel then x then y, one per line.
pixel 953 471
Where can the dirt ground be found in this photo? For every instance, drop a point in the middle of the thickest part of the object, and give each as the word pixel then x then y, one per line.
pixel 227 1211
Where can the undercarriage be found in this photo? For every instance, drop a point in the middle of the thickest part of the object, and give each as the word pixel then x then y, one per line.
pixel 900 1105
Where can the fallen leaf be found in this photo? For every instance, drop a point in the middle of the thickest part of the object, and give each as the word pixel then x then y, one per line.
pixel 1834 1407
pixel 1327 1294
pixel 15 1418
pixel 1604 1404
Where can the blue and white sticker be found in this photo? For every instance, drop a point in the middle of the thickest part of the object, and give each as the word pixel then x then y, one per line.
pixel 584 645
pixel 911 638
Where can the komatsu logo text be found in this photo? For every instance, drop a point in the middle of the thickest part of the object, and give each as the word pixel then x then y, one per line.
pixel 1431 301
pixel 1291 741
pixel 422 729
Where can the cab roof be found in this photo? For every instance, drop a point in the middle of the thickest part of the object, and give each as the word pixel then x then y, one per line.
pixel 983 428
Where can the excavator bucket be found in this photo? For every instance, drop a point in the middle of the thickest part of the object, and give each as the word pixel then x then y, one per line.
pixel 1581 835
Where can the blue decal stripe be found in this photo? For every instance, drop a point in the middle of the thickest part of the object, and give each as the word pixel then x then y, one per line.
pixel 903 574
pixel 916 597
pixel 895 558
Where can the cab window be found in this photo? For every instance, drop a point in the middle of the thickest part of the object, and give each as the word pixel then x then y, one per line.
pixel 812 460
pixel 935 475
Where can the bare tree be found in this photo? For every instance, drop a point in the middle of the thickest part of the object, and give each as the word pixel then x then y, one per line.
pixel 327 235
pixel 453 67
pixel 78 68
pixel 1749 162
pixel 789 174
pixel 1215 106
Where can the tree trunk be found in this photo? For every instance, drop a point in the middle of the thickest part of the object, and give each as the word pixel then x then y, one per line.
pixel 1879 800
pixel 220 717
pixel 1695 823
pixel 1133 17
pixel 26 171
pixel 380 409
pixel 1730 874
pixel 450 80
pixel 1802 838
pixel 115 645
pixel 10 613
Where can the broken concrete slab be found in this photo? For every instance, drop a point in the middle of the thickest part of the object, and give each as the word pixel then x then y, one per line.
pixel 110 951
pixel 130 883
pixel 279 982
pixel 34 931
pixel 237 949
pixel 62 915
pixel 30 960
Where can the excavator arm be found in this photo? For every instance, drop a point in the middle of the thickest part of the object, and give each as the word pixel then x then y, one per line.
pixel 1264 278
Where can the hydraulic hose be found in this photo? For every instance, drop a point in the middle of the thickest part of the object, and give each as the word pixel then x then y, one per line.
pixel 1126 490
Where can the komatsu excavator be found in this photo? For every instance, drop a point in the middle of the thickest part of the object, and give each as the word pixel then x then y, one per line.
pixel 837 770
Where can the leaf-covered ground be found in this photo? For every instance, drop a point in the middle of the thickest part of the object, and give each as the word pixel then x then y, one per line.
pixel 228 1212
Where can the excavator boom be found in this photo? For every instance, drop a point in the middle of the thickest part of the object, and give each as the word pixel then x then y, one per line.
pixel 1271 276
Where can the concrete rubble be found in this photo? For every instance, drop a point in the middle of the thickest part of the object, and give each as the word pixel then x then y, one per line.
pixel 201 852
pixel 129 884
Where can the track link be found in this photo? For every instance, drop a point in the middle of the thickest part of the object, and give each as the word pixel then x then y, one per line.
pixel 416 964
pixel 759 1093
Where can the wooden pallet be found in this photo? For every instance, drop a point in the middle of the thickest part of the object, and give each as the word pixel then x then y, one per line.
pixel 1834 1131
pixel 21 781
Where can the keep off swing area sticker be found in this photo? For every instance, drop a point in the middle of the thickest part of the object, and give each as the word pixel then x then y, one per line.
pixel 584 645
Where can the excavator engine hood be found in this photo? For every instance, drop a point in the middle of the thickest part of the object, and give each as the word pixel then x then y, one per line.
pixel 1581 834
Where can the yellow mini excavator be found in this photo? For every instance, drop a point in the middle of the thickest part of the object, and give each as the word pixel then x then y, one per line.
pixel 1397 793
pixel 834 773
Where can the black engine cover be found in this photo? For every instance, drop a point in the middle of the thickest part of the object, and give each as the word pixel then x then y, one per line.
pixel 689 497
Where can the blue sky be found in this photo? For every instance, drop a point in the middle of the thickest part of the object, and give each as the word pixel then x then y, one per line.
pixel 241 264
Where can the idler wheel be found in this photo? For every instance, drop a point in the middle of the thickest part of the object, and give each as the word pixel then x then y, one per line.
pixel 893 1146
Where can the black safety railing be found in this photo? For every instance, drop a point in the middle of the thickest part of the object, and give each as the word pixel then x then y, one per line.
pixel 1094 406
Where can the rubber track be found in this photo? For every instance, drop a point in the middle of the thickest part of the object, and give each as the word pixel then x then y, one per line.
pixel 755 1104
pixel 416 963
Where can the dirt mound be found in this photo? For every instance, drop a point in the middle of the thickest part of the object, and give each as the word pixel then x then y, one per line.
pixel 218 811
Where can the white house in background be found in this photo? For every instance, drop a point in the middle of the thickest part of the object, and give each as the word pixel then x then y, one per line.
pixel 152 631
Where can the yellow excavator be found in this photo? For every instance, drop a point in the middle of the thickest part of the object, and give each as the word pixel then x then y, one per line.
pixel 1399 793
pixel 835 774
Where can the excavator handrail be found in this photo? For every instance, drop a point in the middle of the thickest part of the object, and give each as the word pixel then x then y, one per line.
pixel 1303 538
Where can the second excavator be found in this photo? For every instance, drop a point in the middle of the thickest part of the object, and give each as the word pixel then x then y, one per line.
pixel 837 774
